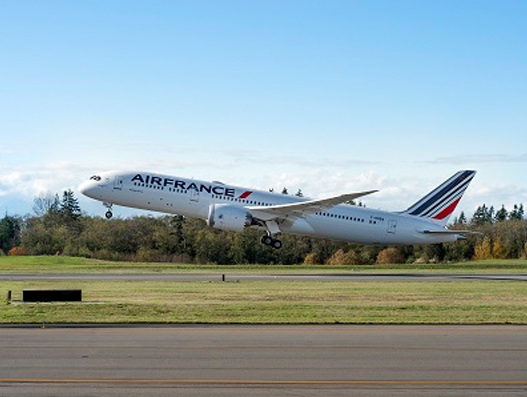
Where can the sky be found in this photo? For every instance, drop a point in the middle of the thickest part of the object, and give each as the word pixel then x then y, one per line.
pixel 329 97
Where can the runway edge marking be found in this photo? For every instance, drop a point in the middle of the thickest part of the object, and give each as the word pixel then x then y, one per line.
pixel 261 382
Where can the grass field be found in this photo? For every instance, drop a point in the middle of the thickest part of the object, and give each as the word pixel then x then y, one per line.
pixel 265 302
pixel 274 302
pixel 64 264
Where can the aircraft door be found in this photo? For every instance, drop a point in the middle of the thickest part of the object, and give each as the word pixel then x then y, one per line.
pixel 392 226
pixel 118 183
pixel 194 196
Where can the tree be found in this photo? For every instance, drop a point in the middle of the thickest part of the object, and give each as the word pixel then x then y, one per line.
pixel 357 203
pixel 168 235
pixel 517 212
pixel 483 214
pixel 501 214
pixel 9 233
pixel 299 193
pixel 483 249
pixel 284 191
pixel 46 204
pixel 478 218
pixel 490 214
pixel 498 250
pixel 69 207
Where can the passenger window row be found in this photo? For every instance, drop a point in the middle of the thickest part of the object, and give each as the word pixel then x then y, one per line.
pixel 344 217
pixel 327 214
pixel 240 200
pixel 170 189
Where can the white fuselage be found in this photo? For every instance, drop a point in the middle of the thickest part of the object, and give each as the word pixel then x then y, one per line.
pixel 193 198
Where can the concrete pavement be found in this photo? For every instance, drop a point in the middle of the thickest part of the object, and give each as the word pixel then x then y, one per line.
pixel 231 360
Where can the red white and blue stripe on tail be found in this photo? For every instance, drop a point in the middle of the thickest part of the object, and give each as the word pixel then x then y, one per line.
pixel 442 201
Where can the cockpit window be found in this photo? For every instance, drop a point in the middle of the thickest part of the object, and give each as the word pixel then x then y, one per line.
pixel 96 178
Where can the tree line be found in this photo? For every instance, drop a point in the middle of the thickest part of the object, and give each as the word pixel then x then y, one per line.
pixel 60 228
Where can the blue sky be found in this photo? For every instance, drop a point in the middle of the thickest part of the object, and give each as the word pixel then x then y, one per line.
pixel 326 96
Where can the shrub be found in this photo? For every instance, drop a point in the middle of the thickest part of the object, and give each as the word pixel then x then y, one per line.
pixel 311 259
pixel 390 255
pixel 17 251
pixel 498 251
pixel 346 258
pixel 148 255
pixel 483 250
pixel 181 258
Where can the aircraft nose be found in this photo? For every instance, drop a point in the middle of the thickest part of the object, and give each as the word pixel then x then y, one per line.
pixel 87 188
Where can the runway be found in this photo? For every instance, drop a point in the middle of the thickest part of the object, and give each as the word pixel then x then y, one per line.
pixel 216 360
pixel 410 277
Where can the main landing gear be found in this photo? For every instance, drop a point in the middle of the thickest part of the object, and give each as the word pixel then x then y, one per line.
pixel 109 213
pixel 268 240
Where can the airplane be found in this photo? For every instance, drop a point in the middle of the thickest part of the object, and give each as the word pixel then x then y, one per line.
pixel 234 208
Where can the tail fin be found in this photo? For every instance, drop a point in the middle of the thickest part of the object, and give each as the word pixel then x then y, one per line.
pixel 442 201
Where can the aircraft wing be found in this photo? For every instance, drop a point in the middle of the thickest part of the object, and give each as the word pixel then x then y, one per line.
pixel 303 208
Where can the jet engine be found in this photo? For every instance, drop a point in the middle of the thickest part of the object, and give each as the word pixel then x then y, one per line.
pixel 229 217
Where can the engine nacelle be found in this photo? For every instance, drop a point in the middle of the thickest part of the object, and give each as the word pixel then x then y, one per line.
pixel 229 217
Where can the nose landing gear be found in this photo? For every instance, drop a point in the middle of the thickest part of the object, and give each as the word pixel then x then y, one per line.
pixel 109 213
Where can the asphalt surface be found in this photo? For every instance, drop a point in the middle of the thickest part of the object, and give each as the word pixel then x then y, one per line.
pixel 266 277
pixel 217 360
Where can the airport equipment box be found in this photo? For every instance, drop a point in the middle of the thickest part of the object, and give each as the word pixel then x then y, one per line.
pixel 72 295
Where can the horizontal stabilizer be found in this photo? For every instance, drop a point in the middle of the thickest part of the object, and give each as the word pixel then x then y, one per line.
pixel 448 231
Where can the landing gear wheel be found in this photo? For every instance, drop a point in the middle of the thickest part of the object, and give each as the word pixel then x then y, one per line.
pixel 109 213
pixel 267 240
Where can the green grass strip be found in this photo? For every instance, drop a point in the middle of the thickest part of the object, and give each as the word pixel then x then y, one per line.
pixel 64 265
pixel 274 302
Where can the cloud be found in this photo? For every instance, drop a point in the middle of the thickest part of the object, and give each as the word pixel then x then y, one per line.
pixel 481 158
pixel 30 181
pixel 316 178
pixel 6 152
pixel 393 193
pixel 498 194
